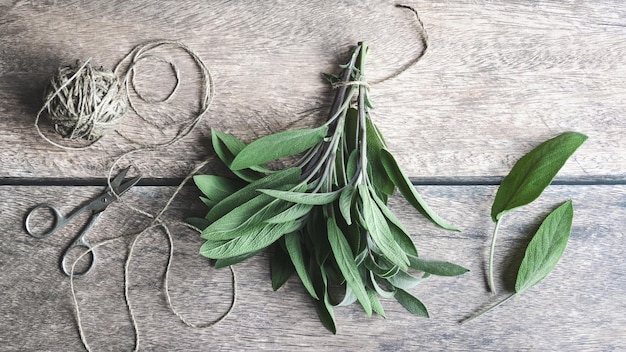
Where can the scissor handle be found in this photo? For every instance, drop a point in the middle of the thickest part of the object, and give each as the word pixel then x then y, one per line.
pixel 58 218
pixel 80 241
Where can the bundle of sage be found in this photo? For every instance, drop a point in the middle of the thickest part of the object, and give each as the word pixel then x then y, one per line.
pixel 327 216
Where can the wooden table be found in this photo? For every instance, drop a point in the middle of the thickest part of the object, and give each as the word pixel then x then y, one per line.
pixel 498 78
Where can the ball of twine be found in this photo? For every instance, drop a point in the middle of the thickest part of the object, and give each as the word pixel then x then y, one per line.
pixel 83 102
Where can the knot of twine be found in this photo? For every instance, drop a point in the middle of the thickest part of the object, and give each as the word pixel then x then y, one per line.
pixel 83 102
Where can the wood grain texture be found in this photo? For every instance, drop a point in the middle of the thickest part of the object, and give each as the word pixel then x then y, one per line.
pixel 500 77
pixel 579 306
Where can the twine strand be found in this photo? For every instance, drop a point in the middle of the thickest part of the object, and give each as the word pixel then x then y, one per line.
pixel 137 55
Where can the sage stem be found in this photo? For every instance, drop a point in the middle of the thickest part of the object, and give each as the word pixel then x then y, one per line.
pixel 488 309
pixel 492 286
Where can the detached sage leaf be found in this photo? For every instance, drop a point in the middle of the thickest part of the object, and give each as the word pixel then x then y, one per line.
pixel 527 180
pixel 542 253
pixel 546 247
pixel 278 145
pixel 534 172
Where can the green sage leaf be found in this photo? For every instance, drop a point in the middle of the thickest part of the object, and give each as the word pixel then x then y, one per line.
pixel 546 247
pixel 345 203
pixel 294 248
pixel 287 176
pixel 199 223
pixel 407 190
pixel 325 306
pixel 411 303
pixel 404 280
pixel 377 307
pixel 249 240
pixel 375 223
pixel 216 188
pixel 281 268
pixel 345 260
pixel 534 172
pixel 226 147
pixel 303 198
pixel 278 145
pixel 226 262
pixel 376 169
pixel 294 212
pixel 436 267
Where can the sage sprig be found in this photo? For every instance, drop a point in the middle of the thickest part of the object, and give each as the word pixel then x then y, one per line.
pixel 327 215
pixel 528 178
pixel 543 252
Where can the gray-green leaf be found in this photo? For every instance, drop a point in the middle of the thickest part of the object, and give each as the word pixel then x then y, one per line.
pixel 294 248
pixel 534 172
pixel 287 176
pixel 303 198
pixel 407 190
pixel 345 260
pixel 436 267
pixel 546 247
pixel 411 303
pixel 278 145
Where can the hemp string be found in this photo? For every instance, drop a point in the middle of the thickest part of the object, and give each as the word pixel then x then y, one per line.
pixel 137 55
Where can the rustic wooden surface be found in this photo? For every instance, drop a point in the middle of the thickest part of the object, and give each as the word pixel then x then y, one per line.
pixel 498 78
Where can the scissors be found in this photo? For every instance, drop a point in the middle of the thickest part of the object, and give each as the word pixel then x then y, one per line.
pixel 96 206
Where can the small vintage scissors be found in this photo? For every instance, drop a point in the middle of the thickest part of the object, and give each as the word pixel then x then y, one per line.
pixel 96 206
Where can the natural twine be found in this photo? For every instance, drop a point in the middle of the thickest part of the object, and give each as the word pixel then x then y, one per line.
pixel 81 99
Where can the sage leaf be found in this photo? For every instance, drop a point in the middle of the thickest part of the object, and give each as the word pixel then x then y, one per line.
pixel 411 303
pixel 278 145
pixel 249 240
pixel 294 248
pixel 227 146
pixel 281 268
pixel 345 260
pixel 287 176
pixel 436 267
pixel 226 262
pixel 380 290
pixel 216 188
pixel 546 247
pixel 534 172
pixel 375 223
pixel 542 253
pixel 303 198
pixel 294 212
pixel 407 190
pixel 377 307
pixel 404 280
pixel 377 171
pixel 345 203
pixel 199 223
pixel 325 307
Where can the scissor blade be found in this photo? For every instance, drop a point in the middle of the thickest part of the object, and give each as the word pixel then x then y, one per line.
pixel 120 188
pixel 126 185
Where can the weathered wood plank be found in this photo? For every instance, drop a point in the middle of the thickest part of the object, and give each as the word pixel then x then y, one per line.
pixel 499 78
pixel 580 305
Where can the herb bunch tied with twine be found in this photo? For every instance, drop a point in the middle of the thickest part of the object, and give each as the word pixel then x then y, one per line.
pixel 326 216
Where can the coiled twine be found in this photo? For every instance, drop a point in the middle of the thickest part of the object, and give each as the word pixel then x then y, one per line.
pixel 83 102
